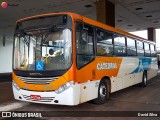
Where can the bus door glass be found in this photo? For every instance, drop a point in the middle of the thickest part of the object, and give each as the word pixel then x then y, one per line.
pixel 85 44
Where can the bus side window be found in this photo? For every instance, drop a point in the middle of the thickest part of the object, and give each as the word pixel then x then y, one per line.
pixel 104 43
pixel 153 52
pixel 140 50
pixel 85 45
pixel 119 45
pixel 147 49
pixel 131 47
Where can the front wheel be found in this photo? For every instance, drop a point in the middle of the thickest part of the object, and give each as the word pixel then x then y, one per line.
pixel 103 93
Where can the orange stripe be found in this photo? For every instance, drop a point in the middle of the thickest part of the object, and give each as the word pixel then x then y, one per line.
pixel 85 74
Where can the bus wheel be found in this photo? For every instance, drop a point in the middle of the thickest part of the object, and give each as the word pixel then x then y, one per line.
pixel 103 93
pixel 144 80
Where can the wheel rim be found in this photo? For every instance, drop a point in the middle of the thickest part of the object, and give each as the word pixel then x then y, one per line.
pixel 103 91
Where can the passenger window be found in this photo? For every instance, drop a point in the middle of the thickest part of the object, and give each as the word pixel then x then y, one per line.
pixel 146 46
pixel 119 40
pixel 153 52
pixel 130 42
pixel 131 47
pixel 131 52
pixel 147 52
pixel 104 43
pixel 152 47
pixel 140 50
pixel 119 51
pixel 139 45
pixel 85 46
pixel 119 45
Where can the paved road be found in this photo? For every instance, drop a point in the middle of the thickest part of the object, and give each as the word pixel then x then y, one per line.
pixel 131 99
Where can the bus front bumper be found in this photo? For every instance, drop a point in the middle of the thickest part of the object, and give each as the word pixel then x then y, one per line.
pixel 71 96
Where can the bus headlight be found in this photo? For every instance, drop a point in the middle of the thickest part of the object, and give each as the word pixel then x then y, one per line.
pixel 64 87
pixel 15 85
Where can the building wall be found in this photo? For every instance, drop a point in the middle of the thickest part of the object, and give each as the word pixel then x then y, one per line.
pixel 6 55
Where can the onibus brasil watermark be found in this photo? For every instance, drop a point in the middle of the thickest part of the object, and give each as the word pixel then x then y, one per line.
pixel 22 114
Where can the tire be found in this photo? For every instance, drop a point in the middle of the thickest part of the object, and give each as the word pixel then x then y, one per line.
pixel 144 80
pixel 103 93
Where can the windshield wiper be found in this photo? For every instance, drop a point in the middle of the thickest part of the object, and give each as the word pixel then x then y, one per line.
pixel 47 34
pixel 23 34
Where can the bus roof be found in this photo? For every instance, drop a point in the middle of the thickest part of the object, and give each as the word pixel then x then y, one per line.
pixel 73 15
pixel 89 21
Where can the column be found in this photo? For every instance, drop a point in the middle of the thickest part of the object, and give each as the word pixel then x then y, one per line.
pixel 151 34
pixel 106 12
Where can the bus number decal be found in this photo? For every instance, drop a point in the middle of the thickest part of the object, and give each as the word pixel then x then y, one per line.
pixel 106 66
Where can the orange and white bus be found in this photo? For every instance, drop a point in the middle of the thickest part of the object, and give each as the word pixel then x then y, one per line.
pixel 67 59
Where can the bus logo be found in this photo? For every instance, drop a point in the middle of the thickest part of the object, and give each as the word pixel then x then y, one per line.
pixel 106 66
pixel 35 74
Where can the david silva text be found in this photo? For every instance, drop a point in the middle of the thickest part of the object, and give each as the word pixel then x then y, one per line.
pixel 147 114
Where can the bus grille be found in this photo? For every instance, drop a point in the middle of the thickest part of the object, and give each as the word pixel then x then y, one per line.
pixel 43 99
pixel 30 80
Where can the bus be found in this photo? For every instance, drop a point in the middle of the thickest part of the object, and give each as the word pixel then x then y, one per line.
pixel 66 59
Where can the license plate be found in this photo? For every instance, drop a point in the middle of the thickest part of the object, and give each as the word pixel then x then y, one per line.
pixel 35 97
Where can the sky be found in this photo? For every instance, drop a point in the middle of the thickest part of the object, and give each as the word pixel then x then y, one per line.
pixel 144 35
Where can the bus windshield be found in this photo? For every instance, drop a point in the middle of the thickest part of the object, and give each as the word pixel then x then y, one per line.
pixel 41 50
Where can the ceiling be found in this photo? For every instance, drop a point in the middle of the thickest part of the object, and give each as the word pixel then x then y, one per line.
pixel 137 14
pixel 131 15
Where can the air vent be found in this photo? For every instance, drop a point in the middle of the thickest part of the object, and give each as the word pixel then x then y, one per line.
pixel 30 80
pixel 42 99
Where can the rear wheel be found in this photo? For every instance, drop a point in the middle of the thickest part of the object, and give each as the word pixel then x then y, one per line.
pixel 144 80
pixel 103 93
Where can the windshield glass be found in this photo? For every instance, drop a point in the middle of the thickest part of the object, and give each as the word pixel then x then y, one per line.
pixel 36 51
